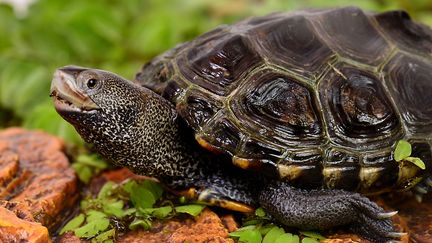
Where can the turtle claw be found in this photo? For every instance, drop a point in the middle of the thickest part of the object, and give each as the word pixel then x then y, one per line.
pixel 395 235
pixel 387 215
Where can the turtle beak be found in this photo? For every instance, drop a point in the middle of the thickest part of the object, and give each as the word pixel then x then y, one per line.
pixel 66 93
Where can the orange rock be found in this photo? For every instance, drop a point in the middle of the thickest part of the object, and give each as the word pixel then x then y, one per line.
pixel 207 227
pixel 37 183
pixel 13 229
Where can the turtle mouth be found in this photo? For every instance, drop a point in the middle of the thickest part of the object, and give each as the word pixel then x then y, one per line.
pixel 67 97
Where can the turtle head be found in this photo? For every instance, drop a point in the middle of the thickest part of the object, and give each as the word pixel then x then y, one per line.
pixel 125 122
pixel 96 102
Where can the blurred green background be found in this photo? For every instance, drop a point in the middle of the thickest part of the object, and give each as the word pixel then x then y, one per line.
pixel 118 36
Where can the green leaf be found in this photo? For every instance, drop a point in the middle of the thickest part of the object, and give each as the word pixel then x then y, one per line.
pixel 247 235
pixel 144 223
pixel 142 198
pixel 192 209
pixel 106 190
pixel 129 186
pixel 312 234
pixel 94 215
pixel 252 222
pixel 92 228
pixel 112 207
pixel 154 187
pixel 309 240
pixel 92 160
pixel 417 161
pixel 260 212
pixel 265 228
pixel 130 211
pixel 84 173
pixel 143 194
pixel 403 150
pixel 162 212
pixel 105 236
pixel 73 223
pixel 273 234
pixel 287 238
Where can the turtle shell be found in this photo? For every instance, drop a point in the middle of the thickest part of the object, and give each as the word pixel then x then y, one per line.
pixel 314 97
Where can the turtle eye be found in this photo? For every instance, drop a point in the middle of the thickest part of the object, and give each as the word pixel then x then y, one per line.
pixel 91 83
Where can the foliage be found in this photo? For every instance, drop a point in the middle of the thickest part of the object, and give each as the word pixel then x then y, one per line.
pixel 133 204
pixel 86 166
pixel 258 228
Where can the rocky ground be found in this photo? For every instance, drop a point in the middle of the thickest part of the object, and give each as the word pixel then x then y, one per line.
pixel 38 190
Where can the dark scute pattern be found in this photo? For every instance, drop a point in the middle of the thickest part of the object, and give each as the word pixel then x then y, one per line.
pixel 291 42
pixel 218 63
pixel 260 150
pixel 309 162
pixel 174 89
pixel 197 108
pixel 406 33
pixel 357 108
pixel 343 169
pixel 222 133
pixel 350 32
pixel 278 107
pixel 410 82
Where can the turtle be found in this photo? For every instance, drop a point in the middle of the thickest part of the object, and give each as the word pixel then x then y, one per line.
pixel 295 112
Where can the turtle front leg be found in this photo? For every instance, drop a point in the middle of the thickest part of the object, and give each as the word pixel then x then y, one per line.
pixel 324 209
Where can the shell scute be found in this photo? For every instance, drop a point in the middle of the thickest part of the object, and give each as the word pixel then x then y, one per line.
pixel 352 35
pixel 292 42
pixel 407 34
pixel 197 108
pixel 358 110
pixel 223 134
pixel 278 107
pixel 409 81
pixel 218 63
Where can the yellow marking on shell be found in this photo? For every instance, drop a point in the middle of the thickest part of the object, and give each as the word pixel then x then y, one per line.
pixel 369 175
pixel 190 193
pixel 206 144
pixel 242 162
pixel 208 197
pixel 290 172
pixel 332 175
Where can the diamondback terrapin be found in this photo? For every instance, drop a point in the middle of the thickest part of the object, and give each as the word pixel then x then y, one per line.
pixel 309 104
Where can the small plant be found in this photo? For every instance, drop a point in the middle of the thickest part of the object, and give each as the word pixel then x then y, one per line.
pixel 135 204
pixel 403 152
pixel 259 229
pixel 86 166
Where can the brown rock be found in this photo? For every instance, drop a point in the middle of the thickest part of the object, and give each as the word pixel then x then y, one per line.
pixel 207 227
pixel 36 181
